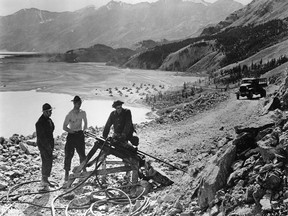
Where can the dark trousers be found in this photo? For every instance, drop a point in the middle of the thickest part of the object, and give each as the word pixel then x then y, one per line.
pixel 47 160
pixel 74 141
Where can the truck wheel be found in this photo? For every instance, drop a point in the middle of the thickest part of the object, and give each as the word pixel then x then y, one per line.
pixel 250 95
pixel 263 93
pixel 237 96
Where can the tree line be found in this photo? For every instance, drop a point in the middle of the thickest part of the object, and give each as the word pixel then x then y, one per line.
pixel 238 72
pixel 237 43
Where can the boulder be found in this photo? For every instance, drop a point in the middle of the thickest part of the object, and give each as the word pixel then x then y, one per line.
pixel 15 138
pixel 265 202
pixel 283 139
pixel 263 123
pixel 267 152
pixel 276 115
pixel 258 193
pixel 2 140
pixel 268 140
pixel 4 167
pixel 27 149
pixel 249 194
pixel 12 149
pixel 3 185
pixel 285 100
pixel 237 165
pixel 272 181
pixel 223 142
pixel 263 133
pixel 32 142
pixel 215 175
pixel 285 127
pixel 236 175
pixel 275 104
pixel 244 142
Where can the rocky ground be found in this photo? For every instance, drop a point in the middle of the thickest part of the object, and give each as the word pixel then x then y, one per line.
pixel 234 153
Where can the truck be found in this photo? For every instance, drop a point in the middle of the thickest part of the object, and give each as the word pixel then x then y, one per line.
pixel 252 86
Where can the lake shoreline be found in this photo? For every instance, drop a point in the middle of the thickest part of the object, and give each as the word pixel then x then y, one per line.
pixel 20 111
pixel 57 83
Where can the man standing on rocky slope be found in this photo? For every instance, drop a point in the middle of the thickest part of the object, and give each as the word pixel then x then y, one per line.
pixel 75 138
pixel 45 142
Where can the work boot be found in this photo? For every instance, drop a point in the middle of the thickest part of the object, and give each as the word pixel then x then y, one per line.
pixel 44 181
pixel 66 176
pixel 44 184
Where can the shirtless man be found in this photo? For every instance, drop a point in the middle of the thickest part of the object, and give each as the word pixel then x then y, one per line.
pixel 75 138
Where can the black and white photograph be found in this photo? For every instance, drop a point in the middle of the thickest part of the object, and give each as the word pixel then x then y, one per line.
pixel 144 107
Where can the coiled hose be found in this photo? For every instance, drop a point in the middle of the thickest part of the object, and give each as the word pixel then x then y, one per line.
pixel 129 200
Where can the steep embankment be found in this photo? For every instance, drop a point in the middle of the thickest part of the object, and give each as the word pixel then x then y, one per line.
pixel 186 57
pixel 196 58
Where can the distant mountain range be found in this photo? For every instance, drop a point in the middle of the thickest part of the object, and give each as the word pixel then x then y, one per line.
pixel 116 24
pixel 246 32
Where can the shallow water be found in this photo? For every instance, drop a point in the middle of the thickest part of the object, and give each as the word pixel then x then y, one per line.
pixel 27 83
pixel 20 110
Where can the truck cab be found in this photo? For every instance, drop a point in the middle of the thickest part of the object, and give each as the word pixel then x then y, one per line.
pixel 252 86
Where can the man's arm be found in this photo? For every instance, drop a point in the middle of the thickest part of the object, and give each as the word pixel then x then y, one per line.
pixel 65 125
pixel 128 124
pixel 107 126
pixel 85 120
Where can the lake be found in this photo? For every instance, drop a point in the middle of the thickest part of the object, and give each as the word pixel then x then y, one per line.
pixel 20 110
pixel 27 83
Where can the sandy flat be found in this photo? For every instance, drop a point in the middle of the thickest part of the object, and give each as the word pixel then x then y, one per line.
pixel 90 80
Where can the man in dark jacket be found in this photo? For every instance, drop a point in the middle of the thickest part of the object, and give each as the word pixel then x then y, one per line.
pixel 45 142
pixel 121 119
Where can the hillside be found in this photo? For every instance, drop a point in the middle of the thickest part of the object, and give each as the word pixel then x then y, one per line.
pixel 256 13
pixel 184 58
pixel 229 46
pixel 96 53
pixel 116 24
pixel 265 55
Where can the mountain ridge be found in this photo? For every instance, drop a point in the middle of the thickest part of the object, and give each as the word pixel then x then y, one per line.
pixel 255 13
pixel 116 24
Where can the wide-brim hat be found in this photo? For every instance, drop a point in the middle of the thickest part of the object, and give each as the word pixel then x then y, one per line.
pixel 46 107
pixel 76 99
pixel 117 103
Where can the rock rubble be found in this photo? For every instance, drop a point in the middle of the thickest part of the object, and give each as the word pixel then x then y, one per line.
pixel 205 101
pixel 248 175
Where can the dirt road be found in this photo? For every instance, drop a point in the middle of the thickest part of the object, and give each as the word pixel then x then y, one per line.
pixel 183 141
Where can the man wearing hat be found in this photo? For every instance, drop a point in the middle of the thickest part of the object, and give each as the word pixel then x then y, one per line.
pixel 75 138
pixel 121 119
pixel 45 142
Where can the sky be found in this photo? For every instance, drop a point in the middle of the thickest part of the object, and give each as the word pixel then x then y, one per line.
pixel 8 7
